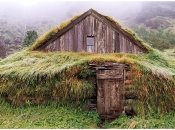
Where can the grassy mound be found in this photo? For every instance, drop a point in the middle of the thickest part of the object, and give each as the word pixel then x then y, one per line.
pixel 35 78
pixel 31 78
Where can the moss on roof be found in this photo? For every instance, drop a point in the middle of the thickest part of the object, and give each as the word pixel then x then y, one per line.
pixel 29 78
pixel 112 20
pixel 55 30
pixel 51 33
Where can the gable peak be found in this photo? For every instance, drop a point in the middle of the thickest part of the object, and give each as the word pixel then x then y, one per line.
pixel 91 10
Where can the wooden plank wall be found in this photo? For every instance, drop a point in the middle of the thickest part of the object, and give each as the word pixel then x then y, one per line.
pixel 107 39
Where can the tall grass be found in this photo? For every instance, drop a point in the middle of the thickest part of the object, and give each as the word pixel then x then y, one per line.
pixel 31 78
pixel 37 78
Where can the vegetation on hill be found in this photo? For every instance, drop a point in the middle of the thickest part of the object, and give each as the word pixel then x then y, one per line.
pixel 30 38
pixel 32 78
pixel 53 116
pixel 157 39
pixel 13 29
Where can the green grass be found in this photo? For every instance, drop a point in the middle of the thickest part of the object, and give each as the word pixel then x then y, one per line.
pixel 46 117
pixel 170 53
pixel 156 121
pixel 57 101
pixel 30 78
pixel 53 116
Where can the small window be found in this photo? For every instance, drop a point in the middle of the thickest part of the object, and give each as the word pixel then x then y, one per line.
pixel 90 44
pixel 90 41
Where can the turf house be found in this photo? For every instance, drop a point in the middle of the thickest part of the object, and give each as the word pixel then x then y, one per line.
pixel 92 62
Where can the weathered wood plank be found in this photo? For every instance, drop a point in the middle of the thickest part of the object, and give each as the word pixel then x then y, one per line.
pixel 134 49
pixel 92 19
pixel 103 76
pixel 109 39
pixel 88 26
pixel 75 33
pixel 107 84
pixel 56 45
pixel 124 44
pixel 62 44
pixel 117 42
pixel 129 46
pixel 121 43
pixel 100 96
pixel 105 31
pixel 100 37
pixel 84 35
pixel 66 41
pixel 70 43
pixel 79 37
pixel 113 41
pixel 114 95
pixel 106 38
pixel 91 25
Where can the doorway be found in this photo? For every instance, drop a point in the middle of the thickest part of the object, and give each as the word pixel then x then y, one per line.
pixel 110 79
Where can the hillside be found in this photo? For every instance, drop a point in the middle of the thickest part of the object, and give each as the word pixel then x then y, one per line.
pixel 157 14
pixel 40 78
pixel 155 24
pixel 57 83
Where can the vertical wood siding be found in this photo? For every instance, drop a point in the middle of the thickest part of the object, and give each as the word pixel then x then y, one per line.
pixel 106 39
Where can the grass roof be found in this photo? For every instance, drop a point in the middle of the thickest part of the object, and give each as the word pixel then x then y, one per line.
pixel 29 78
pixel 55 30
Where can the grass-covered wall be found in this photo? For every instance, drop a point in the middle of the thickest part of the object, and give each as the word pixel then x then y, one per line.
pixel 35 78
pixel 31 78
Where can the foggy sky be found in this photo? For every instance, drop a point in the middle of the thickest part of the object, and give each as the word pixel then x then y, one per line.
pixel 63 10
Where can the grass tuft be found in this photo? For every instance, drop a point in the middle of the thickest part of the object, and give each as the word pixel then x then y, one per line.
pixel 30 78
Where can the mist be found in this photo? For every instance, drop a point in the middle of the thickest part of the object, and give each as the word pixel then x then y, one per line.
pixel 19 16
pixel 62 10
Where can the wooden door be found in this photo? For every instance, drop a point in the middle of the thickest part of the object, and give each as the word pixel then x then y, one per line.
pixel 109 93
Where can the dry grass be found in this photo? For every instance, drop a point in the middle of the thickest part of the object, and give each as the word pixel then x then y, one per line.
pixel 112 20
pixel 29 78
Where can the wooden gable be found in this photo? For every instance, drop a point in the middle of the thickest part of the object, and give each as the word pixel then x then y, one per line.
pixel 92 32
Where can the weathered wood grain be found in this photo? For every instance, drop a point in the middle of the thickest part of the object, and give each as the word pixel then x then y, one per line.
pixel 108 38
pixel 109 92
